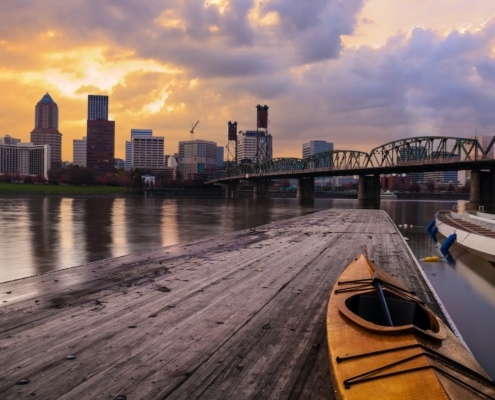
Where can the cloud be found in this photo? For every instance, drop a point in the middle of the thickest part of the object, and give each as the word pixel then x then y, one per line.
pixel 167 63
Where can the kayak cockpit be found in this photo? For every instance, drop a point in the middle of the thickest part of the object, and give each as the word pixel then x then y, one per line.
pixel 407 315
pixel 403 312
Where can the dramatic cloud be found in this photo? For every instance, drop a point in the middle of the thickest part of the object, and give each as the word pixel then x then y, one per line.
pixel 352 72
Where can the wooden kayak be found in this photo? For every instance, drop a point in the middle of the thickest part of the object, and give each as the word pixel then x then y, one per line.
pixel 385 343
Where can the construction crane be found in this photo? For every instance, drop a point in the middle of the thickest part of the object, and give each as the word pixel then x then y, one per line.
pixel 192 129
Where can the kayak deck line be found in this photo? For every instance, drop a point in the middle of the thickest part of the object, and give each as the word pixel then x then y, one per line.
pixel 427 351
pixel 366 284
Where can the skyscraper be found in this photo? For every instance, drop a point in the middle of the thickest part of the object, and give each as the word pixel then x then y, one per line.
pixel 254 146
pixel 97 107
pixel 246 146
pixel 147 151
pixel 46 129
pixel 128 145
pixel 100 136
pixel 315 147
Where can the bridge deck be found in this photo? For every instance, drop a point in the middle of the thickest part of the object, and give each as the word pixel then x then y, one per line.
pixel 235 316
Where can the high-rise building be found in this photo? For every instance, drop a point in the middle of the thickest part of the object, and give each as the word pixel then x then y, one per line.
pixel 197 158
pixel 128 145
pixel 246 146
pixel 23 158
pixel 79 150
pixel 46 129
pixel 147 152
pixel 100 146
pixel 97 107
pixel 100 136
pixel 249 144
pixel 442 178
pixel 315 147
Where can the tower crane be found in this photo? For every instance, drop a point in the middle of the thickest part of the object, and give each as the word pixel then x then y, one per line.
pixel 192 129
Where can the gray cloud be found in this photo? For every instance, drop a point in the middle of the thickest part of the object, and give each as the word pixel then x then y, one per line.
pixel 417 84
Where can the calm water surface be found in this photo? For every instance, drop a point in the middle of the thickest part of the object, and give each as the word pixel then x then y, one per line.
pixel 41 234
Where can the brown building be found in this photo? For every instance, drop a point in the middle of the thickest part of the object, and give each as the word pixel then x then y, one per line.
pixel 46 129
pixel 100 137
pixel 101 146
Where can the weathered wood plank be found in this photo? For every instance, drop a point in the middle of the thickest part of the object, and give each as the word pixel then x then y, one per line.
pixel 238 315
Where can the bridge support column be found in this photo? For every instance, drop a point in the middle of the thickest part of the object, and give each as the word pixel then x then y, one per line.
pixel 261 190
pixel 369 191
pixel 231 190
pixel 474 190
pixel 305 190
pixel 482 190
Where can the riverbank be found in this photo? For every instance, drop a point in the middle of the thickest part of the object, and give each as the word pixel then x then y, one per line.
pixel 61 190
pixel 239 315
pixel 207 191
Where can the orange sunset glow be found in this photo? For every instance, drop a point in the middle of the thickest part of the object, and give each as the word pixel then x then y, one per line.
pixel 356 73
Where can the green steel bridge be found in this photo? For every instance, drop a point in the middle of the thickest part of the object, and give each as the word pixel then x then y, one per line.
pixel 417 154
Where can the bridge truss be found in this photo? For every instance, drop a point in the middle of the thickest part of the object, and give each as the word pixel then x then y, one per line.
pixel 405 154
pixel 428 149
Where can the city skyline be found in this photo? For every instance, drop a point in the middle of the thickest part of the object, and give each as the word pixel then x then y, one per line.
pixel 357 74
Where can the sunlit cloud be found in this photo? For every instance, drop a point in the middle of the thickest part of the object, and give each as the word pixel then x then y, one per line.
pixel 170 19
pixel 221 4
pixel 357 73
pixel 90 67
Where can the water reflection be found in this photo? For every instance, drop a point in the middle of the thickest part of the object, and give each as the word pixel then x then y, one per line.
pixel 44 224
pixel 96 227
pixel 15 235
pixel 478 273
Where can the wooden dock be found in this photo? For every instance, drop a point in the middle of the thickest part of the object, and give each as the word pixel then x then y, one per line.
pixel 241 315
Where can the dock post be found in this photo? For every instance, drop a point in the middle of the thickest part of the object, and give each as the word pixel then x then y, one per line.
pixel 369 191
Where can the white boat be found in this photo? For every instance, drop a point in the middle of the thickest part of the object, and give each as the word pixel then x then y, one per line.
pixel 388 195
pixel 475 231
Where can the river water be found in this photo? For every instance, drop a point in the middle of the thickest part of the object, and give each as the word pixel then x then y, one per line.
pixel 42 234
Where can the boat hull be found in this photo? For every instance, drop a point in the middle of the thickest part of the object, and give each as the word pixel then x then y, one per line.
pixel 370 361
pixel 477 240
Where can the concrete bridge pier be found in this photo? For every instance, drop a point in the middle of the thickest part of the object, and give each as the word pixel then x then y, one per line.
pixel 231 190
pixel 369 191
pixel 260 190
pixel 482 191
pixel 305 189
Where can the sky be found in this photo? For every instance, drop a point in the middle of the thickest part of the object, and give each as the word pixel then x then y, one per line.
pixel 357 73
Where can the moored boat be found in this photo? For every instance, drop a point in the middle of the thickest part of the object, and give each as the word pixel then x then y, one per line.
pixel 385 343
pixel 474 231
pixel 388 195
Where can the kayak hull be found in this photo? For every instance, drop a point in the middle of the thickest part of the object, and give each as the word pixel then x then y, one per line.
pixel 417 358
